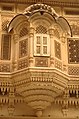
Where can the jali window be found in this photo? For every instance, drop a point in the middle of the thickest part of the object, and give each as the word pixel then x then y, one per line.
pixel 73 50
pixel 23 46
pixel 6 47
pixel 57 50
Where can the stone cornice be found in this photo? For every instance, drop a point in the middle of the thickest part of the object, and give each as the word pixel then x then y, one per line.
pixel 66 3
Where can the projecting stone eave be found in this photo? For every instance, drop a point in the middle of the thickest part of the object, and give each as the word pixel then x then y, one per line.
pixel 42 8
pixel 16 20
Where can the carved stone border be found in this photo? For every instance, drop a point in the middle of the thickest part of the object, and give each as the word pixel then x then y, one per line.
pixel 51 2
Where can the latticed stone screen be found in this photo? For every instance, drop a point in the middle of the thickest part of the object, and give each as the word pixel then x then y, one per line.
pixel 73 50
pixel 57 50
pixel 6 47
pixel 58 64
pixel 23 48
pixel 4 67
pixel 4 25
pixel 22 64
pixel 73 70
pixel 23 32
pixel 41 29
pixel 57 33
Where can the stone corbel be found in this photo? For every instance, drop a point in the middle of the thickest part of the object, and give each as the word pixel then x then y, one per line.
pixel 15 37
pixel 63 37
pixel 51 32
pixel 31 33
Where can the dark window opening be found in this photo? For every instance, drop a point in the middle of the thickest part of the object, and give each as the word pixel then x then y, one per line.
pixel 6 47
pixel 7 8
pixel 72 12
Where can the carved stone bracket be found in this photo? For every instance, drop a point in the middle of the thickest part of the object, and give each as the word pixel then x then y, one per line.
pixel 16 38
pixel 63 37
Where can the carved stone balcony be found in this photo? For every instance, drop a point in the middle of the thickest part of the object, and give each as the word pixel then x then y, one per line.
pixel 40 88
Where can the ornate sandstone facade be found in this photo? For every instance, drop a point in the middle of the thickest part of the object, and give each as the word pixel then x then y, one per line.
pixel 39 59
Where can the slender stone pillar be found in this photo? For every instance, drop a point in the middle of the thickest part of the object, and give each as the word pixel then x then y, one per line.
pixel 51 34
pixel 31 46
pixel 15 52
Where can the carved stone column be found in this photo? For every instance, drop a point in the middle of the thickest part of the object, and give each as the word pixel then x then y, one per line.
pixel 15 52
pixel 51 34
pixel 31 46
pixel 64 51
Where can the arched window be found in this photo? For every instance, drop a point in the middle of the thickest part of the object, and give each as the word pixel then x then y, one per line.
pixel 41 47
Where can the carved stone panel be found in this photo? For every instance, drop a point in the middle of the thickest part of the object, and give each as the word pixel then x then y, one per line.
pixel 4 67
pixel 41 62
pixel 58 64
pixel 22 64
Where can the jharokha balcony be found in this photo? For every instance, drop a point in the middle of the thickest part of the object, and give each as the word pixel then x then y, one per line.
pixel 38 68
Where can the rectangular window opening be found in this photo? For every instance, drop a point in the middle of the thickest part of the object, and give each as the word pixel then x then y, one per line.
pixel 41 45
pixel 72 12
pixel 6 47
pixel 23 48
pixel 7 8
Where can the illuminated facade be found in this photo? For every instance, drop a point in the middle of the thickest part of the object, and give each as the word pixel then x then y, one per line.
pixel 39 59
